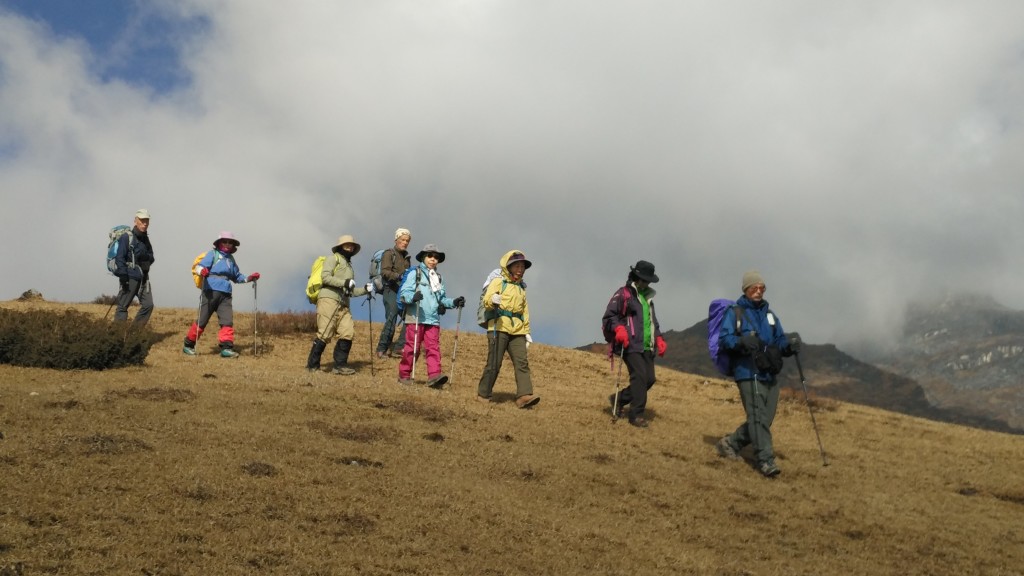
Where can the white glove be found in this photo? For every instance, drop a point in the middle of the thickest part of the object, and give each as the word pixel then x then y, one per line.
pixel 496 299
pixel 350 284
pixel 529 340
pixel 369 287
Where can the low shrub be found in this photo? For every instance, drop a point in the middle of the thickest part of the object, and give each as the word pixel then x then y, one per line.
pixel 71 340
pixel 284 323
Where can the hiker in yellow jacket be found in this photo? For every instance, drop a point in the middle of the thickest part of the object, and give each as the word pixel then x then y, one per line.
pixel 508 329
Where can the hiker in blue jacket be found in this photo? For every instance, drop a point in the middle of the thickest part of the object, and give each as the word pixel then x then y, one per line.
pixel 630 315
pixel 133 259
pixel 219 271
pixel 756 349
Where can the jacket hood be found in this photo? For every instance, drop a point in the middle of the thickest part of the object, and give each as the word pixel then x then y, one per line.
pixel 504 262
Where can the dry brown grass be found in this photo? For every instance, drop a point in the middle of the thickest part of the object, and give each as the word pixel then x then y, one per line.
pixel 253 466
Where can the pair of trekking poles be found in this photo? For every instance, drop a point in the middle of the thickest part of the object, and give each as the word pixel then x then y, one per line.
pixel 255 317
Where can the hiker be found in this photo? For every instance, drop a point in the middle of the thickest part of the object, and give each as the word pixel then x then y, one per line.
pixel 424 300
pixel 393 263
pixel 756 350
pixel 508 329
pixel 133 259
pixel 630 316
pixel 332 306
pixel 218 270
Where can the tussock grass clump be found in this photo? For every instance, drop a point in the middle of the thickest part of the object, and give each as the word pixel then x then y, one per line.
pixel 286 323
pixel 70 340
pixel 107 300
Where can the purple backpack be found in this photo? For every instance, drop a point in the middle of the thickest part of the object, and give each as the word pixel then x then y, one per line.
pixel 716 313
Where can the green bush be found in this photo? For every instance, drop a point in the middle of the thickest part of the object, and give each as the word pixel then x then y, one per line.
pixel 71 340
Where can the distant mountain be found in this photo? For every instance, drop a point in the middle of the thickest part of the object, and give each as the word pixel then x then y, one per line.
pixel 960 361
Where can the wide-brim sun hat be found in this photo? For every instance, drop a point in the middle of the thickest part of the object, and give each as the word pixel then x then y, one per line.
pixel 347 239
pixel 430 248
pixel 225 235
pixel 644 270
pixel 518 256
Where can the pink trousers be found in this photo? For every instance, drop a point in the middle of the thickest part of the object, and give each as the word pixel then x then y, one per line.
pixel 428 340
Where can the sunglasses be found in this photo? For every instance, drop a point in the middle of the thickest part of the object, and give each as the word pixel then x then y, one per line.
pixel 430 255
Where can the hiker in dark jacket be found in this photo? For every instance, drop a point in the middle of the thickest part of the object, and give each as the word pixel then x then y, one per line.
pixel 756 349
pixel 133 259
pixel 332 307
pixel 393 263
pixel 630 314
pixel 219 271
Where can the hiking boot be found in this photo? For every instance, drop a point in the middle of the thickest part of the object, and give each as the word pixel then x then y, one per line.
pixel 382 354
pixel 483 399
pixel 527 401
pixel 639 422
pixel 189 351
pixel 405 381
pixel 725 449
pixel 768 469
pixel 343 370
pixel 437 381
pixel 228 353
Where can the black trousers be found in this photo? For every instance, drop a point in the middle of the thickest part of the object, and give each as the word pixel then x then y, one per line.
pixel 641 378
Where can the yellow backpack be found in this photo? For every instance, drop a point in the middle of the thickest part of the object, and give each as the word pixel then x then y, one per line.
pixel 196 277
pixel 315 281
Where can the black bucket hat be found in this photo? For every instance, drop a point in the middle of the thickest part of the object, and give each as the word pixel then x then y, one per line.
pixel 644 270
pixel 430 248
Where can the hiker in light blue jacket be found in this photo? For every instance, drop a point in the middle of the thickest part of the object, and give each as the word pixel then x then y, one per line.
pixel 219 272
pixel 424 301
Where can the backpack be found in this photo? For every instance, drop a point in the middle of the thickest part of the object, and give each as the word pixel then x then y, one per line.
pixel 401 282
pixel 115 234
pixel 606 325
pixel 196 278
pixel 314 282
pixel 375 276
pixel 716 313
pixel 483 315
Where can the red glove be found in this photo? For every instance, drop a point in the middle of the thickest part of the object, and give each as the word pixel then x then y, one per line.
pixel 204 272
pixel 252 277
pixel 621 337
pixel 660 343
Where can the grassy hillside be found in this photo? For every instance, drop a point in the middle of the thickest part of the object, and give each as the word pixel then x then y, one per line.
pixel 253 466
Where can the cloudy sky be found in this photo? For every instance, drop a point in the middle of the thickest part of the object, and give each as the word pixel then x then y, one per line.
pixel 859 154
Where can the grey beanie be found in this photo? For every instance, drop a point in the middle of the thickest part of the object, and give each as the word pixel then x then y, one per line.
pixel 750 278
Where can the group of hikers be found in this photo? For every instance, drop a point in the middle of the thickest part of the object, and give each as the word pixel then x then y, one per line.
pixel 414 296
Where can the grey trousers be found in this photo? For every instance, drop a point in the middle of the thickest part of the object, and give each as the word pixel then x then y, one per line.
pixel 144 292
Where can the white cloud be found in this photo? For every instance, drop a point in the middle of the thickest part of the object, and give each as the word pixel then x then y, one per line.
pixel 858 155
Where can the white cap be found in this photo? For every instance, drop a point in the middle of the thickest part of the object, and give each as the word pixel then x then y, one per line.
pixel 142 214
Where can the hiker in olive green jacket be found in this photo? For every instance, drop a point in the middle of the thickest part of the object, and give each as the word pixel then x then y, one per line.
pixel 332 306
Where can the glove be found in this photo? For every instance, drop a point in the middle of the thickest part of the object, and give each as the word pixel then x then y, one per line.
pixel 529 340
pixel 794 342
pixel 621 337
pixel 350 285
pixel 459 302
pixel 750 342
pixel 253 277
pixel 204 272
pixel 496 299
pixel 441 308
pixel 417 296
pixel 660 343
pixel 369 287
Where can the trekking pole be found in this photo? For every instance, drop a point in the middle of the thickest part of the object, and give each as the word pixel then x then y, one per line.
pixel 369 304
pixel 455 347
pixel 415 339
pixel 615 403
pixel 199 315
pixel 807 399
pixel 255 315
